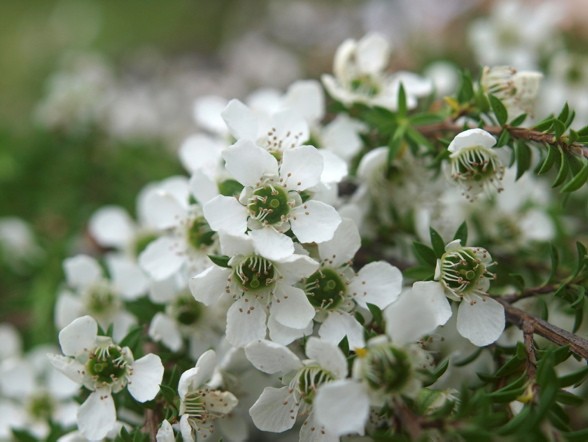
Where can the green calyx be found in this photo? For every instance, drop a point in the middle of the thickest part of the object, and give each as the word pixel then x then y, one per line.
pixel 325 289
pixel 309 379
pixel 388 369
pixel 269 204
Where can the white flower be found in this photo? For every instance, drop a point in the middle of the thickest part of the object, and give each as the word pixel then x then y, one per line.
pixel 516 90
pixel 103 367
pixel 464 277
pixel 257 283
pixel 202 400
pixel 93 294
pixel 188 240
pixel 474 165
pixel 360 76
pixel 283 130
pixel 335 289
pixel 273 200
pixel 277 408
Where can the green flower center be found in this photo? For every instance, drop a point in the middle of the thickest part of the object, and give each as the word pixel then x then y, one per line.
pixel 186 310
pixel 41 406
pixel 309 379
pixel 476 164
pixel 101 301
pixel 365 85
pixel 107 364
pixel 199 234
pixel 388 369
pixel 255 273
pixel 269 204
pixel 325 289
pixel 461 271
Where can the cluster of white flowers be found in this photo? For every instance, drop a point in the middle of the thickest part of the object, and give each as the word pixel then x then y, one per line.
pixel 251 259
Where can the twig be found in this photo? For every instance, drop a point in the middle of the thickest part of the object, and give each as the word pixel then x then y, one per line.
pixel 528 293
pixel 543 328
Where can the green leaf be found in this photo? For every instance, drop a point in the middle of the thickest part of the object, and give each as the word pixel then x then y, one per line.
pixel 424 254
pixel 376 313
pixel 402 106
pixel 549 159
pixel 132 339
pixel 466 88
pixel 503 139
pixel 419 273
pixel 554 264
pixel 545 125
pixel 563 170
pixel 518 120
pixel 582 258
pixel 523 158
pixel 437 372
pixel 395 143
pixel 425 119
pixel 417 137
pixel 462 233
pixel 499 110
pixel 563 115
pixel 515 423
pixel 577 181
pixel 220 260
pixel 558 128
pixel 437 242
pixel 573 378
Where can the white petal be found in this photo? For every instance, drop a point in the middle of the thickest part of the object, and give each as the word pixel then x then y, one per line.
pixel 208 286
pixel 480 319
pixel 79 336
pixel 417 312
pixel 378 283
pixel 335 168
pixel 17 378
pixel 97 415
pixel 245 322
pixel 220 402
pixel 341 136
pixel 111 226
pixel 247 162
pixel 227 214
pixel 122 322
pixel 372 53
pixel 307 98
pixel 271 244
pixel 81 271
pixel 161 259
pixel 68 366
pixel 240 120
pixel 67 308
pixel 344 245
pixel 201 152
pixel 271 357
pixel 165 432
pixel 207 113
pixel 291 308
pixel 314 221
pixel 328 356
pixel 165 210
pixel 127 277
pixel 290 129
pixel 312 431
pixel 338 325
pixel 196 377
pixel 301 167
pixel 296 267
pixel 342 406
pixel 202 187
pixel 164 329
pixel 145 378
pixel 285 335
pixel 275 410
pixel 186 429
pixel 233 245
pixel 471 137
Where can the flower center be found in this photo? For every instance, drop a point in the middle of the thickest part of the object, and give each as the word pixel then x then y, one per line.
pixel 462 271
pixel 107 364
pixel 325 289
pixel 41 406
pixel 186 310
pixel 199 233
pixel 388 368
pixel 194 406
pixel 255 273
pixel 309 379
pixel 365 85
pixel 101 301
pixel 269 204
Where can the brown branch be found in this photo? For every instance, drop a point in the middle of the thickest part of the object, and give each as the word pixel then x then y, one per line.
pixel 520 133
pixel 528 293
pixel 535 325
